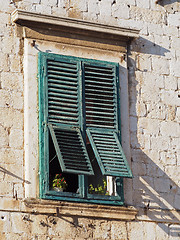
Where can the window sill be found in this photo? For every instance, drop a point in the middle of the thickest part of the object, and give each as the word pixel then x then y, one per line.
pixel 79 209
pixel 58 208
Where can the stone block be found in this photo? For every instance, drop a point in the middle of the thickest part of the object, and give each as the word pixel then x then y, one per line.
pixel 149 229
pixel 4 63
pixel 170 82
pixel 19 224
pixel 138 169
pixel 169 128
pixel 134 232
pixel 174 68
pixel 11 118
pixel 120 11
pixel 156 110
pixel 4 137
pixel 15 63
pixel 6 189
pixel 160 65
pixel 168 158
pixel 177 201
pixel 11 156
pixel 160 143
pixel 149 126
pixel 170 97
pixel 16 138
pixel 142 4
pixel 162 185
pixel 174 19
pixel 12 81
pixel 5 224
pixel 102 230
pixel 118 230
pixel 162 231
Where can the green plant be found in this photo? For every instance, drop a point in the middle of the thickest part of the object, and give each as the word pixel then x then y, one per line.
pixel 100 189
pixel 59 181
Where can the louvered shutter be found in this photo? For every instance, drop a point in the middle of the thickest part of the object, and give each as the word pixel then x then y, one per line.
pixel 101 95
pixel 62 74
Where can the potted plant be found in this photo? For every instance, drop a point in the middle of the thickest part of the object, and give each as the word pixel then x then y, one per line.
pixel 100 189
pixel 59 183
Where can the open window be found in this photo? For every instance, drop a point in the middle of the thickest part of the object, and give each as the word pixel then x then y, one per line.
pixel 79 127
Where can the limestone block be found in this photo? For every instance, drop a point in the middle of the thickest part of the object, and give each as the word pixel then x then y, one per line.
pixel 175 42
pixel 19 224
pixel 85 229
pixel 170 82
pixel 149 229
pixel 156 110
pixel 12 81
pixel 105 9
pixel 174 232
pixel 79 5
pixel 170 98
pixel 162 231
pixel 17 100
pixel 11 156
pixel 16 138
pixel 160 65
pixel 120 11
pixel 4 63
pixel 5 224
pixel 155 170
pixel 13 173
pixel 146 15
pixel 15 63
pixel 11 118
pixel 178 113
pixel 134 232
pixel 102 230
pixel 43 9
pixel 166 200
pixel 138 169
pixel 149 126
pixel 4 137
pixel 93 7
pixel 177 201
pixel 140 183
pixel 174 68
pixel 174 19
pixel 170 128
pixel 162 185
pixel 6 189
pixel 58 227
pixel 118 230
pixel 142 3
pixel 173 172
pixel 160 142
pixel 168 158
pixel 5 98
pixel 144 63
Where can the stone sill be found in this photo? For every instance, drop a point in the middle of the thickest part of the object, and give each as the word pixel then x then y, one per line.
pixel 59 208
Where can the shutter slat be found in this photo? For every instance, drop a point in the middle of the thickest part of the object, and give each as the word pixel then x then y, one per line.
pixel 69 158
pixel 63 104
pixel 111 162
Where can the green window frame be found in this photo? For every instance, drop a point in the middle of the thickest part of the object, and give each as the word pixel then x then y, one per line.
pixel 79 99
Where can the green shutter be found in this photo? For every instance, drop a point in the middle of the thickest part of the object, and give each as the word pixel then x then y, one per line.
pixel 63 104
pixel 71 150
pixel 108 152
pixel 102 123
pixel 63 111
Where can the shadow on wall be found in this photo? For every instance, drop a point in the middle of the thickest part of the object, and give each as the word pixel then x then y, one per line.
pixel 155 192
pixel 166 2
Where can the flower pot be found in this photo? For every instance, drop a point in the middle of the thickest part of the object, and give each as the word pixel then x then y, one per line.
pixel 58 189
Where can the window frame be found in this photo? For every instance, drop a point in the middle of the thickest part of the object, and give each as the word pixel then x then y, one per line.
pixel 83 195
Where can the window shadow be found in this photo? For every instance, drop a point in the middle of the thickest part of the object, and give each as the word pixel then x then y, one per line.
pixel 155 189
pixel 166 2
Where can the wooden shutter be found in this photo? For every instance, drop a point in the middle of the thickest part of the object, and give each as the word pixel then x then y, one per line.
pixel 101 102
pixel 62 76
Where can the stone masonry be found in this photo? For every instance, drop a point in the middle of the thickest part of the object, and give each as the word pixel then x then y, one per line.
pixel 154 118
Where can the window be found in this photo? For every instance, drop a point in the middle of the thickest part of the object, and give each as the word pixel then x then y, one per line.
pixel 79 129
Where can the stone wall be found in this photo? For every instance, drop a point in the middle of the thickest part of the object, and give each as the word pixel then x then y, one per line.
pixel 154 103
